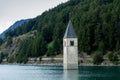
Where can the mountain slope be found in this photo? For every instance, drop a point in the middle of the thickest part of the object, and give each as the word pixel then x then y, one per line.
pixel 14 26
pixel 96 22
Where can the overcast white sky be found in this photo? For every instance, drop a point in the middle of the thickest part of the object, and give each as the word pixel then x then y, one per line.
pixel 13 10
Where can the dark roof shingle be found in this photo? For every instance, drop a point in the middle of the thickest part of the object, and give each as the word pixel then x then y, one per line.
pixel 70 32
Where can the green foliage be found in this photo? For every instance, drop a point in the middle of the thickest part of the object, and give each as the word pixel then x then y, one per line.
pixel 110 56
pixel 117 46
pixel 1 41
pixel 39 46
pixel 1 57
pixel 11 59
pixel 9 41
pixel 101 46
pixel 57 46
pixel 113 57
pixel 54 48
pixel 22 52
pixel 97 57
pixel 50 50
pixel 33 47
pixel 47 33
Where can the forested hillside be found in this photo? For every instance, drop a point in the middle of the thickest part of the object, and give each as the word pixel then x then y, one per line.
pixel 15 25
pixel 96 22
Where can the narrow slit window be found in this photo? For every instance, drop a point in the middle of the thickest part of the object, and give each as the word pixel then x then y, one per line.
pixel 71 43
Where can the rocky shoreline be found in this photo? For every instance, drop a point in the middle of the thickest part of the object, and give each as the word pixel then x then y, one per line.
pixel 59 62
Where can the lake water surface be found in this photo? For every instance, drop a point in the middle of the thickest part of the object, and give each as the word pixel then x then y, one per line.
pixel 17 72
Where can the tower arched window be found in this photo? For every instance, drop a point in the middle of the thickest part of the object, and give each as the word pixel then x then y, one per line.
pixel 71 43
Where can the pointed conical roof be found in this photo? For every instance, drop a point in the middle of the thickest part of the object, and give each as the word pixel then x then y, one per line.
pixel 70 32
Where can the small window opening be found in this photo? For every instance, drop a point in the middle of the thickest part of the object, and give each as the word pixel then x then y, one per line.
pixel 71 43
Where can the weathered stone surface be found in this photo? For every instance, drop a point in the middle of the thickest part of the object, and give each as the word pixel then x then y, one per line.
pixel 70 48
pixel 70 54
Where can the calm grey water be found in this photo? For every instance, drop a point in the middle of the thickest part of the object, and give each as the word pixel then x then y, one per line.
pixel 16 72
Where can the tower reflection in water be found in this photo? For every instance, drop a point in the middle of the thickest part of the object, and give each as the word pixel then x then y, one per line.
pixel 71 75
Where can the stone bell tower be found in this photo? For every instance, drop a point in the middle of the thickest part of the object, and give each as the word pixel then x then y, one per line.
pixel 70 48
